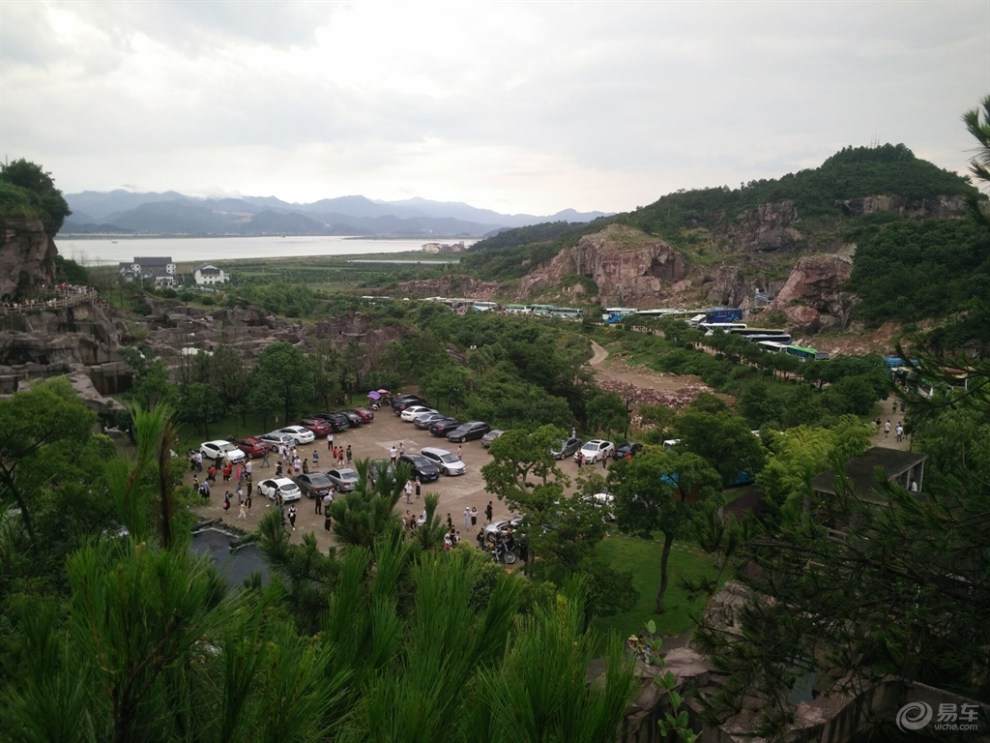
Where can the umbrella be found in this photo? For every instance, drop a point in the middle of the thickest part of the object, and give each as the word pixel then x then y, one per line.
pixel 383 392
pixel 373 395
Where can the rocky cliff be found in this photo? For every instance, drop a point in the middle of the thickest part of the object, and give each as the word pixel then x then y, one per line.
pixel 27 259
pixel 623 264
pixel 812 297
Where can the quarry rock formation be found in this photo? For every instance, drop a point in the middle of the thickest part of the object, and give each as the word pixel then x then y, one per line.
pixel 768 227
pixel 812 297
pixel 27 259
pixel 940 206
pixel 626 265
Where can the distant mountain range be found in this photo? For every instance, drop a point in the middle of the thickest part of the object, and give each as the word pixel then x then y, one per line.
pixel 172 213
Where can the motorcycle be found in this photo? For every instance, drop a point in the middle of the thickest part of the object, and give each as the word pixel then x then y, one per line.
pixel 503 551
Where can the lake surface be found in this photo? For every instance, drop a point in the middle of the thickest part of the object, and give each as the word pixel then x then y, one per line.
pixel 98 251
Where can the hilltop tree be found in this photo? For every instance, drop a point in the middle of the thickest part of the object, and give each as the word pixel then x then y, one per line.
pixel 43 194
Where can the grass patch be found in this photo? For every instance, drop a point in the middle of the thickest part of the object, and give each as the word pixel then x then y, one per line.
pixel 687 560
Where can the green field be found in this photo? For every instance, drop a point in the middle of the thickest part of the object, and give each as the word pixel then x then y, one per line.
pixel 643 558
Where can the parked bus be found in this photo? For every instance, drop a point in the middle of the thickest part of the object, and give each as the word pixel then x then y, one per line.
pixel 763 334
pixel 771 346
pixel 802 352
pixel 614 315
pixel 711 328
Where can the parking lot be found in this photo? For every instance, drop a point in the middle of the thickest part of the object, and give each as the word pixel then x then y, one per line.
pixel 373 441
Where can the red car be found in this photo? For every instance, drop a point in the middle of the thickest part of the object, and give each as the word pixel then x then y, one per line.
pixel 364 414
pixel 318 426
pixel 251 446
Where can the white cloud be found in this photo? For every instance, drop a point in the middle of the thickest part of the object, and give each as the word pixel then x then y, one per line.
pixel 529 107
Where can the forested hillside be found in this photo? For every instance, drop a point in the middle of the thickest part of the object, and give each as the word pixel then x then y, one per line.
pixel 900 215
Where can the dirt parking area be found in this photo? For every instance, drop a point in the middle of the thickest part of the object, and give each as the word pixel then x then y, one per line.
pixel 373 441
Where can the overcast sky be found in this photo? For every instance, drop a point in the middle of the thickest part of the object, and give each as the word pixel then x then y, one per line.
pixel 519 107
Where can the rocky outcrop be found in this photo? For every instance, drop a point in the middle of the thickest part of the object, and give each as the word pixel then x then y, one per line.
pixel 450 286
pixel 173 331
pixel 768 227
pixel 939 206
pixel 27 259
pixel 812 298
pixel 626 265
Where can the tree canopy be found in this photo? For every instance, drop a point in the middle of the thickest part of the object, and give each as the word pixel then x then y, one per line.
pixel 25 186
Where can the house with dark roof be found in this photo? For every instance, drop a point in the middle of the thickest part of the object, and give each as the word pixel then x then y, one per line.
pixel 160 270
pixel 867 473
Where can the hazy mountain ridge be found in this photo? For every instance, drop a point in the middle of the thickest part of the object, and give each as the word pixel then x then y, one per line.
pixel 173 213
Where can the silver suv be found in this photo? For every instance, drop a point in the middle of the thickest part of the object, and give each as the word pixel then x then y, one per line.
pixel 446 462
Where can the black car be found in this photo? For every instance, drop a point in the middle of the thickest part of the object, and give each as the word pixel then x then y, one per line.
pixel 565 448
pixel 314 485
pixel 353 418
pixel 627 449
pixel 442 428
pixel 401 403
pixel 469 431
pixel 422 467
pixel 423 422
pixel 337 420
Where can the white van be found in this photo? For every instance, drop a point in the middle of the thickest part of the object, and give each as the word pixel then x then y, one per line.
pixel 448 463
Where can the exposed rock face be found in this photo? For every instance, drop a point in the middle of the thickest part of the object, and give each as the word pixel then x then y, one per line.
pixel 27 259
pixel 940 206
pixel 626 264
pixel 768 227
pixel 452 286
pixel 812 297
pixel 175 330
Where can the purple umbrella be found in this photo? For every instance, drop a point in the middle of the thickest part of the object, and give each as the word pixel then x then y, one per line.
pixel 373 395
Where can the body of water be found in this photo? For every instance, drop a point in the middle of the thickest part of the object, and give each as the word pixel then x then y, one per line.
pixel 101 251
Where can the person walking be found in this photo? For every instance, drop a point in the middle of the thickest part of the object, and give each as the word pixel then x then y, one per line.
pixel 316 458
pixel 292 517
pixel 488 512
pixel 350 454
pixel 467 518
pixel 318 501
pixel 330 440
pixel 408 488
pixel 460 451
pixel 886 429
pixel 393 454
pixel 419 487
pixel 899 432
pixel 265 462
pixel 474 517
pixel 242 514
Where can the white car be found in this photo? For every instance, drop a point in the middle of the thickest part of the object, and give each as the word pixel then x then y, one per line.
pixel 282 485
pixel 605 501
pixel 413 411
pixel 221 451
pixel 595 450
pixel 299 434
pixel 448 463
